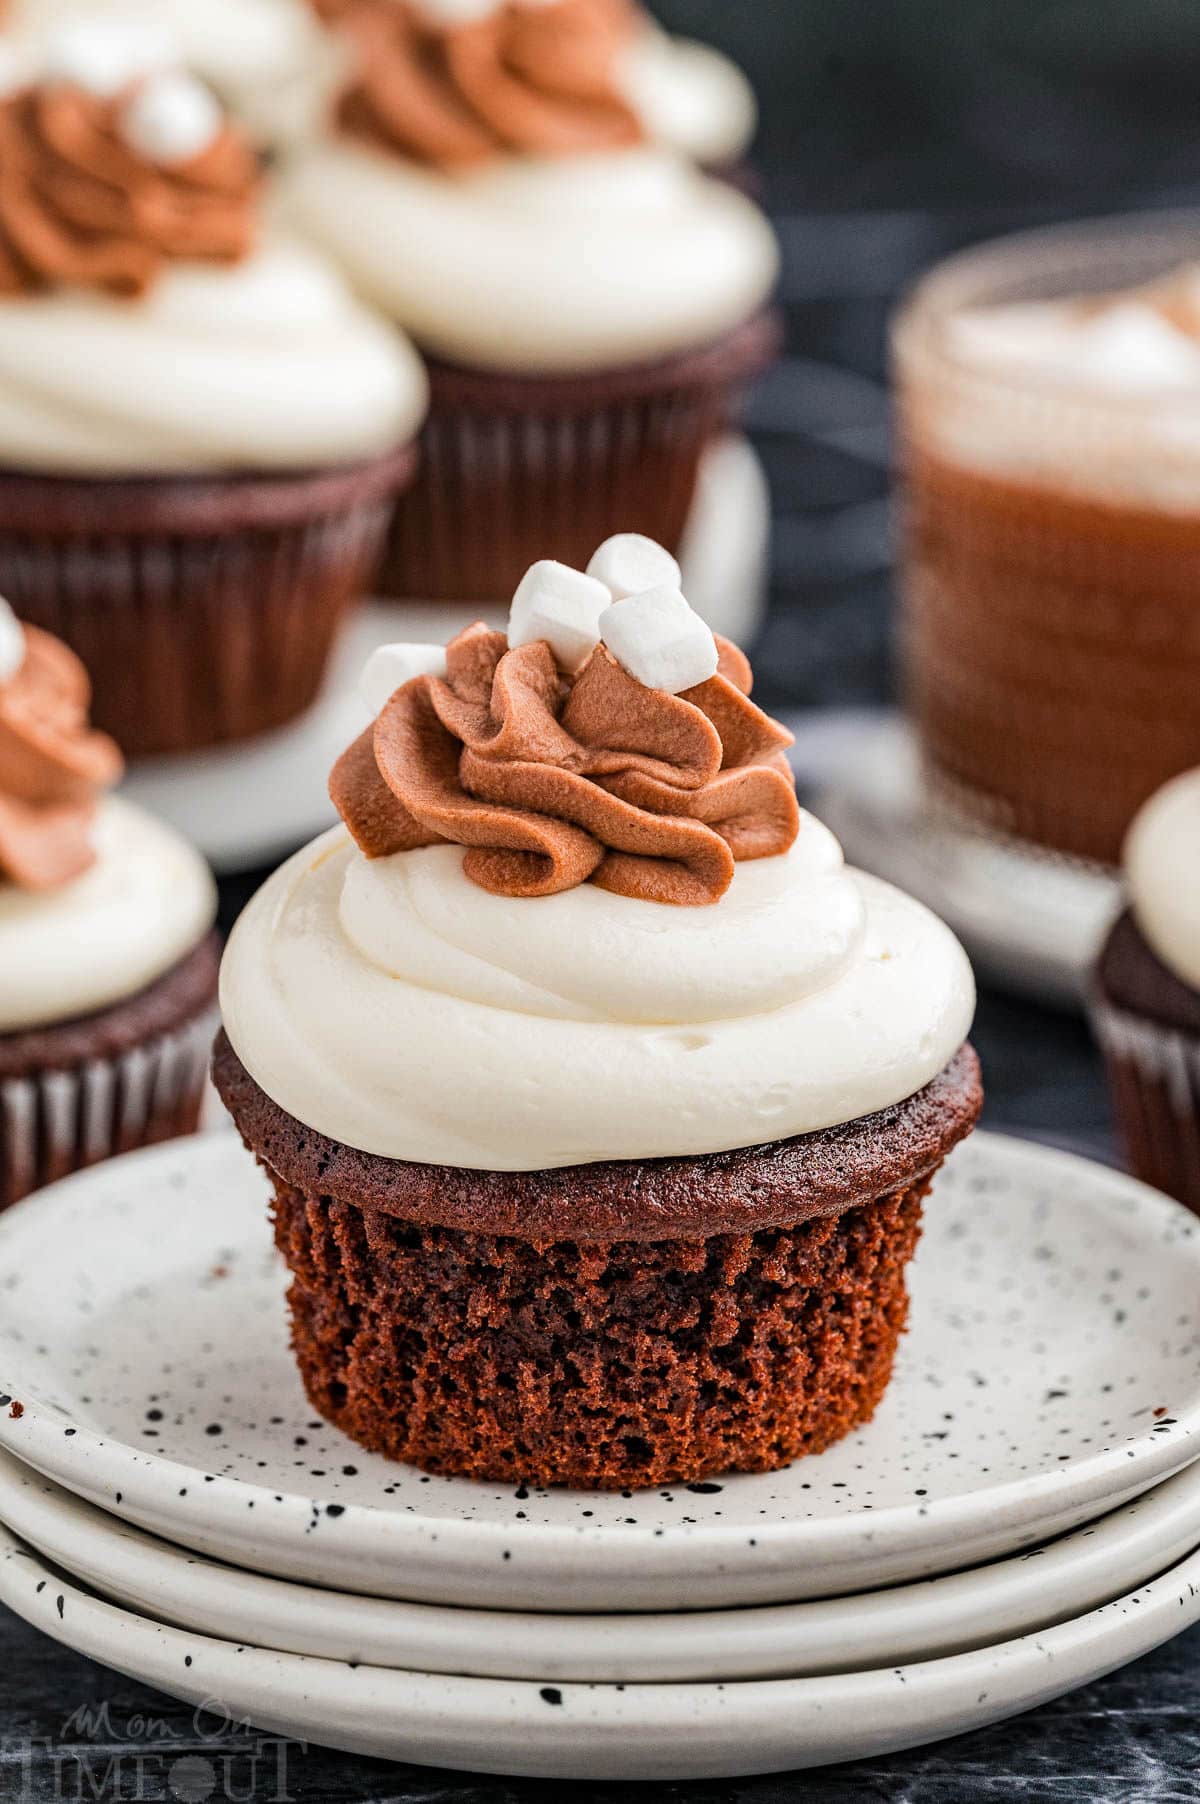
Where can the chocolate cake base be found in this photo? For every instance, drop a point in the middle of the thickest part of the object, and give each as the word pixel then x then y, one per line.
pixel 129 1075
pixel 205 609
pixel 517 468
pixel 429 1331
pixel 1148 1024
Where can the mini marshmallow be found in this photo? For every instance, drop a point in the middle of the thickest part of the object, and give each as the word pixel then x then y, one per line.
pixel 104 56
pixel 12 642
pixel 660 639
pixel 629 564
pixel 561 606
pixel 171 118
pixel 457 12
pixel 389 667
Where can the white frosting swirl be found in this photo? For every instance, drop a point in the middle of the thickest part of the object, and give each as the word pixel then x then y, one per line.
pixel 268 364
pixel 547 265
pixel 398 1008
pixel 688 96
pixel 144 904
pixel 1162 868
pixel 12 642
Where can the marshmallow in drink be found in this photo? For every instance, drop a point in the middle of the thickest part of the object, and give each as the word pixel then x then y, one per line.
pixel 561 606
pixel 660 640
pixel 389 667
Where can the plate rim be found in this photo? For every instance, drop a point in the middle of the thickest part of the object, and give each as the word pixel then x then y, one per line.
pixel 76 1523
pixel 1068 1655
pixel 37 1437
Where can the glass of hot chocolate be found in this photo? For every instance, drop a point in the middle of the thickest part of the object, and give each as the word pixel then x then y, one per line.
pixel 1049 436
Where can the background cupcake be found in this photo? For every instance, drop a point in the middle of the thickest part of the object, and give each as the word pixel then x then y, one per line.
pixel 109 962
pixel 201 432
pixel 1146 1000
pixel 598 1098
pixel 589 303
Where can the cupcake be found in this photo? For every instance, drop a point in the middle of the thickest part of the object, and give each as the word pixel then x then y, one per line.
pixel 201 431
pixel 589 303
pixel 106 941
pixel 1049 412
pixel 599 1100
pixel 1146 994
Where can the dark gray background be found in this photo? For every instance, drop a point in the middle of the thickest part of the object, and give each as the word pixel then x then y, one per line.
pixel 894 130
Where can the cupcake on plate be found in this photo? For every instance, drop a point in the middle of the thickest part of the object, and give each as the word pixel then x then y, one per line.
pixel 107 951
pixel 588 301
pixel 598 1098
pixel 1146 994
pixel 201 431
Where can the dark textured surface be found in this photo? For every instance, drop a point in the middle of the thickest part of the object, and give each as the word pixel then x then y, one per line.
pixel 896 130
pixel 755 1187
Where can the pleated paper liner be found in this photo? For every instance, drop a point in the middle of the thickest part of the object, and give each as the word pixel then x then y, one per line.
pixel 206 609
pixel 128 1076
pixel 517 468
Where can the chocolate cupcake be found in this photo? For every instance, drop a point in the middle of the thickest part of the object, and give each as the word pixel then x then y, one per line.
pixel 598 1099
pixel 202 433
pixel 1146 994
pixel 588 302
pixel 106 942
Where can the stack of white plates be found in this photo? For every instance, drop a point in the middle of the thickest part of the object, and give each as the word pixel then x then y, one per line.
pixel 1021 1516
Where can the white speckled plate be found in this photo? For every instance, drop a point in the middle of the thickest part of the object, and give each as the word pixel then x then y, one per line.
pixel 252 802
pixel 567 1731
pixel 1052 1372
pixel 1029 1591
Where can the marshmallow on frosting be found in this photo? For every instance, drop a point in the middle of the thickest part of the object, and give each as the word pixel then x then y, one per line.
pixel 629 600
pixel 171 118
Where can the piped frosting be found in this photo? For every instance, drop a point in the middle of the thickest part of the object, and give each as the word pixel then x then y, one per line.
pixel 53 767
pixel 84 203
pixel 551 780
pixel 455 87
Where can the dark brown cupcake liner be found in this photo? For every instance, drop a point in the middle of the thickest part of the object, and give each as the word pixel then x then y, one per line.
pixel 1154 1080
pixel 1051 648
pixel 609 1361
pixel 205 610
pixel 520 468
pixel 56 1122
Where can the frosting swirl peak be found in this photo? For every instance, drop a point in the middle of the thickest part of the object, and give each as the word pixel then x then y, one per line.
pixel 81 204
pixel 551 781
pixel 53 767
pixel 519 79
